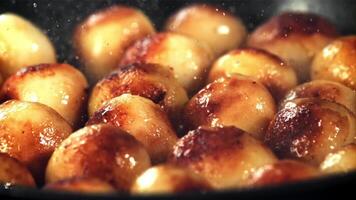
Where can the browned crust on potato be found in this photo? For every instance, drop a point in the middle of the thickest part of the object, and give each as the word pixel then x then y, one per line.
pixel 291 24
pixel 143 48
pixel 197 144
pixel 81 184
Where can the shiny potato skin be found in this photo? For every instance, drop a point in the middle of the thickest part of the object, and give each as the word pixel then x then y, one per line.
pixel 141 118
pixel 102 38
pixel 324 89
pixel 151 81
pixel 59 86
pixel 267 68
pixel 99 151
pixel 12 172
pixel 81 185
pixel 231 101
pixel 295 37
pixel 30 132
pixel 189 59
pixel 168 179
pixel 341 161
pixel 336 62
pixel 218 28
pixel 308 129
pixel 284 171
pixel 22 44
pixel 224 156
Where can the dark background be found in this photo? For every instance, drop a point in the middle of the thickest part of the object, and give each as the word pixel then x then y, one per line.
pixel 57 18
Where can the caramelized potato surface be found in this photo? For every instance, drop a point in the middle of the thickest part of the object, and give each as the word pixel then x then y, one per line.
pixel 141 118
pixel 309 129
pixel 99 151
pixel 218 28
pixel 101 40
pixel 59 86
pixel 225 157
pixel 235 101
pixel 341 161
pixel 168 179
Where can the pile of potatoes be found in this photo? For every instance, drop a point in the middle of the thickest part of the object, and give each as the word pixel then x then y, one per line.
pixel 201 105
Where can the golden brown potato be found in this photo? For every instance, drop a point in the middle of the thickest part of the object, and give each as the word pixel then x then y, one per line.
pixel 30 132
pixel 218 28
pixel 268 68
pixel 235 101
pixel 341 161
pixel 103 37
pixel 22 44
pixel 225 157
pixel 12 172
pixel 59 86
pixel 81 185
pixel 295 37
pixel 151 81
pixel 166 178
pixel 99 151
pixel 308 129
pixel 283 171
pixel 189 58
pixel 336 62
pixel 324 89
pixel 141 118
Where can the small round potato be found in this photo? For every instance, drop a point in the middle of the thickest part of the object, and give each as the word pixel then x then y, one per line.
pixel 99 151
pixel 232 101
pixel 12 172
pixel 269 69
pixel 141 118
pixel 284 171
pixel 30 132
pixel 324 89
pixel 103 37
pixel 81 185
pixel 59 86
pixel 189 58
pixel 168 179
pixel 308 129
pixel 22 44
pixel 296 38
pixel 151 81
pixel 225 157
pixel 337 62
pixel 218 28
pixel 341 161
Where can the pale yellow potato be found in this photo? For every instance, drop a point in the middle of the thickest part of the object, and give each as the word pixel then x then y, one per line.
pixel 217 27
pixel 268 68
pixel 87 185
pixel 341 161
pixel 12 172
pixel 189 58
pixel 308 129
pixel 168 179
pixel 232 101
pixel 141 118
pixel 102 38
pixel 296 38
pixel 151 81
pixel 284 171
pixel 30 132
pixel 22 44
pixel 99 151
pixel 337 62
pixel 59 86
pixel 324 89
pixel 225 156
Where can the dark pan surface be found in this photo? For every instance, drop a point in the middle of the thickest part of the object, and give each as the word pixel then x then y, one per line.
pixel 58 18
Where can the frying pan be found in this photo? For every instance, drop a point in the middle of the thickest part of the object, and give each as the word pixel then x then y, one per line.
pixel 57 18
